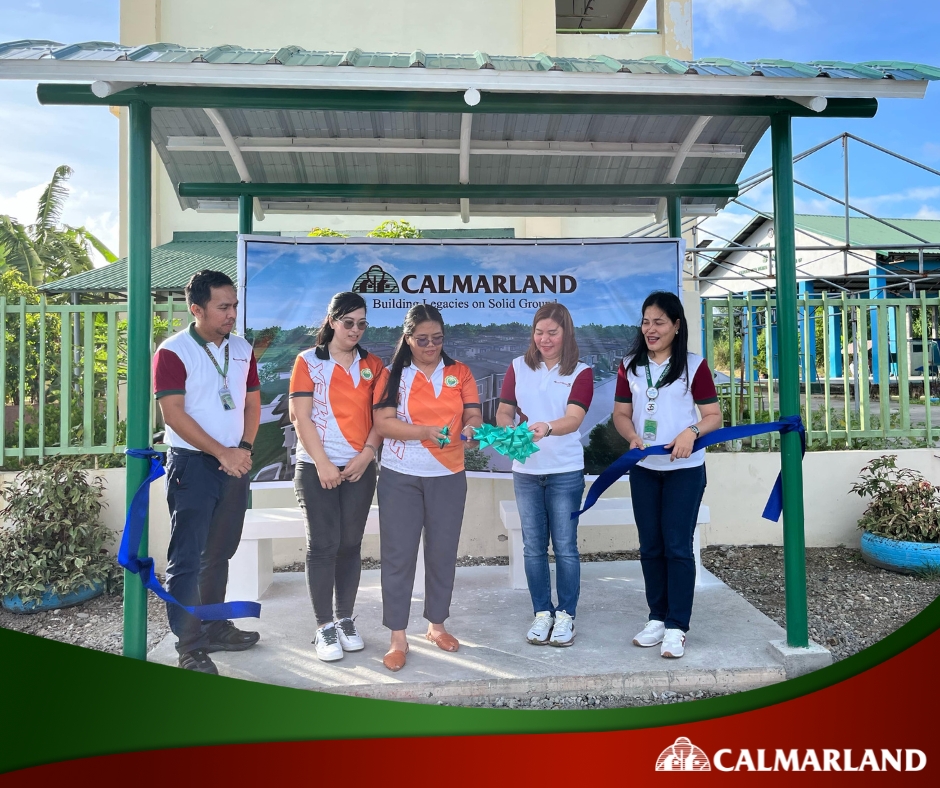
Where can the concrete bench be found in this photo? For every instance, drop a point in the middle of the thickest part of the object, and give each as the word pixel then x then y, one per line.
pixel 607 511
pixel 251 569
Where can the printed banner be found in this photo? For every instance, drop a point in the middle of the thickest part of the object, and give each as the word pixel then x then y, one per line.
pixel 488 293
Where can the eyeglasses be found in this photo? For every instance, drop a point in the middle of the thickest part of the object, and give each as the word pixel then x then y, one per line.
pixel 425 341
pixel 349 324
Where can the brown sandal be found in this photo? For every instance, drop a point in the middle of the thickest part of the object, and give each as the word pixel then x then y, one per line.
pixel 395 660
pixel 444 641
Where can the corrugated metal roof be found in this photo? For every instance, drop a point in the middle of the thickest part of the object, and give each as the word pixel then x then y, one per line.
pixel 869 232
pixel 173 264
pixel 357 58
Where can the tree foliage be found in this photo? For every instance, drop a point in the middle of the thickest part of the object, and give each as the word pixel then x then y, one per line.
pixel 49 250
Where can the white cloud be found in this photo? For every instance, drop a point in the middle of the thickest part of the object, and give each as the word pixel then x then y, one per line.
pixel 22 204
pixel 926 212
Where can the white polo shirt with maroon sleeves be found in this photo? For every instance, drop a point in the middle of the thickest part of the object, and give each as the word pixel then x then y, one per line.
pixel 544 394
pixel 675 406
pixel 181 365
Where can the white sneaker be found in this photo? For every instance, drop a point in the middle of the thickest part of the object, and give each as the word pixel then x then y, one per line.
pixel 563 631
pixel 349 637
pixel 673 644
pixel 326 642
pixel 651 635
pixel 541 628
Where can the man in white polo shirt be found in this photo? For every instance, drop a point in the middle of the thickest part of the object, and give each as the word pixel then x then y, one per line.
pixel 206 381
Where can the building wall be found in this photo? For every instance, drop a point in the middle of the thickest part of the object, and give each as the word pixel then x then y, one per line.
pixel 506 27
pixel 738 486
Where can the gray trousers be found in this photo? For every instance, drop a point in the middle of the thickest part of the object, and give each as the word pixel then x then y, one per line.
pixel 335 521
pixel 408 505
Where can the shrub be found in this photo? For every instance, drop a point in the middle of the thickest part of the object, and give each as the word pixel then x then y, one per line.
pixel 904 506
pixel 54 539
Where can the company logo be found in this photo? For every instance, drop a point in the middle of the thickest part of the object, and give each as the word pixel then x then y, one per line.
pixel 450 381
pixel 683 756
pixel 366 374
pixel 375 280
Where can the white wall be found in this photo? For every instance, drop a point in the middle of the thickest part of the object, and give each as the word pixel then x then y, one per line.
pixel 738 486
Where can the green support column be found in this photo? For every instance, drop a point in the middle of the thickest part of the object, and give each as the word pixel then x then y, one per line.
pixel 674 216
pixel 245 206
pixel 139 327
pixel 794 548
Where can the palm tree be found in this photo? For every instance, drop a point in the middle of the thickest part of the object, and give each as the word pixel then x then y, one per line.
pixel 49 250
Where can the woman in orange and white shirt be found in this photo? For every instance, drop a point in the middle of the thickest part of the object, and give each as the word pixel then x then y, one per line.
pixel 423 485
pixel 331 393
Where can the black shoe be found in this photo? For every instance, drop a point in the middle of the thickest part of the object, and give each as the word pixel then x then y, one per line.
pixel 198 660
pixel 229 638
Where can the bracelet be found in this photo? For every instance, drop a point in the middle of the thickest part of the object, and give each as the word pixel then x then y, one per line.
pixel 375 452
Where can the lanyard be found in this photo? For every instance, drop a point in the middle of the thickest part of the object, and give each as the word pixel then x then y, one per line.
pixel 223 371
pixel 649 378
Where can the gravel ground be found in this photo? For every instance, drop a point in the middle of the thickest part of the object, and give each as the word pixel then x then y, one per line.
pixel 851 605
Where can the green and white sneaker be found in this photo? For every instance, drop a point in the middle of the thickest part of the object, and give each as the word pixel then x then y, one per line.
pixel 326 642
pixel 541 628
pixel 563 631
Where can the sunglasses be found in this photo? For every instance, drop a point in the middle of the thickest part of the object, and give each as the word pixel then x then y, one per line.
pixel 349 324
pixel 425 341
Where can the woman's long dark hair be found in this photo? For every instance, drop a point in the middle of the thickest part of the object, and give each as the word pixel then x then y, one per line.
pixel 679 362
pixel 340 305
pixel 418 314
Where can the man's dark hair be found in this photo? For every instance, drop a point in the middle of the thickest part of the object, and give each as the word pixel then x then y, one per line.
pixel 199 289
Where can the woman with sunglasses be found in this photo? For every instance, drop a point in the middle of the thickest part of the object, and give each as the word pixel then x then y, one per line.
pixel 331 393
pixel 423 486
pixel 552 390
pixel 666 396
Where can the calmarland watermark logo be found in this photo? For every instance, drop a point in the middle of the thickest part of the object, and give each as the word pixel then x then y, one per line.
pixel 375 280
pixel 683 756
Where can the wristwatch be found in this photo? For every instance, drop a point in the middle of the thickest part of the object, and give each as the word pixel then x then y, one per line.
pixel 695 430
pixel 245 445
pixel 549 425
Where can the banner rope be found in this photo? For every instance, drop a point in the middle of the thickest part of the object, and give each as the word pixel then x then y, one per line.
pixel 142 566
pixel 626 462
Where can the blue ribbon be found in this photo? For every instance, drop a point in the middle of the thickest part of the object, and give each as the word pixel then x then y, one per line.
pixel 625 462
pixel 143 567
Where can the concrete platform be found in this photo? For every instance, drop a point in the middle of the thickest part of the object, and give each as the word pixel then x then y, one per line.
pixel 728 647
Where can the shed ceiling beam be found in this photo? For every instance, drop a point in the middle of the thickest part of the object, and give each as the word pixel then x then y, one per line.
pixel 447 209
pixel 538 100
pixel 466 126
pixel 346 78
pixel 103 89
pixel 447 147
pixel 229 144
pixel 431 191
pixel 676 167
pixel 815 103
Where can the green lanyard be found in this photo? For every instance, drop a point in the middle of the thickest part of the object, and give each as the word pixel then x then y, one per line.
pixel 653 391
pixel 223 371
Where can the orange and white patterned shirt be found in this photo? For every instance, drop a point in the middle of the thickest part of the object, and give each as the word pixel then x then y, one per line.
pixel 342 401
pixel 436 401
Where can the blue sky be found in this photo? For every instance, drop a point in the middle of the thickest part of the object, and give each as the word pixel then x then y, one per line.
pixel 284 279
pixel 37 139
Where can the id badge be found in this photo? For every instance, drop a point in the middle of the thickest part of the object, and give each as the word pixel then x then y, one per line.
pixel 226 396
pixel 649 430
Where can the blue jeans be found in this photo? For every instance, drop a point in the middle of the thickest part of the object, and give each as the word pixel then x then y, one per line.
pixel 545 506
pixel 207 513
pixel 665 504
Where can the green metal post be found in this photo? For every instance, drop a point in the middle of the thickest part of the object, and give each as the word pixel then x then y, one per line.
pixel 245 205
pixel 139 327
pixel 674 215
pixel 794 548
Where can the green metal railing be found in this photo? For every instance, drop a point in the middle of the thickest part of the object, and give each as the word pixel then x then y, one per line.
pixel 68 363
pixel 847 399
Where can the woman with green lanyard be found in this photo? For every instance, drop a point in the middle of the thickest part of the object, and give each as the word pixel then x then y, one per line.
pixel 666 396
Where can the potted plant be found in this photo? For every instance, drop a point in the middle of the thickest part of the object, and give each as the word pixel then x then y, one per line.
pixel 52 547
pixel 902 523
